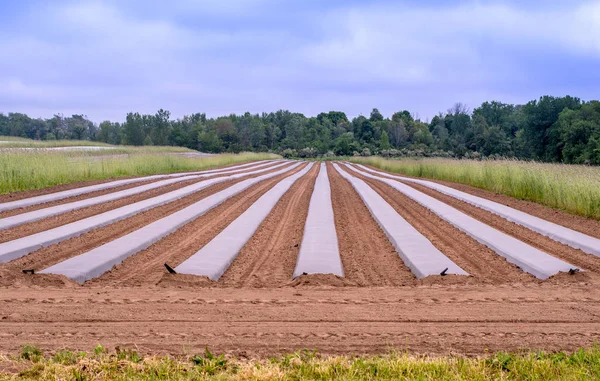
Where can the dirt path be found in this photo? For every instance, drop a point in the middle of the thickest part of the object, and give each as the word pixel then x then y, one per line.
pixel 269 258
pixel 147 266
pixel 433 320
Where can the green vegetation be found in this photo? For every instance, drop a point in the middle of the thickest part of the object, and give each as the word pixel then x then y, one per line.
pixel 13 142
pixel 572 188
pixel 25 170
pixel 128 365
pixel 551 129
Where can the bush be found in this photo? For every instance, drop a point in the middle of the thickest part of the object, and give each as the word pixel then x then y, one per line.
pixel 289 153
pixel 308 152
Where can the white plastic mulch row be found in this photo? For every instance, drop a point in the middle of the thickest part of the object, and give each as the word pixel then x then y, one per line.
pixel 101 259
pixel 216 256
pixel 93 188
pixel 22 246
pixel 319 250
pixel 575 239
pixel 416 251
pixel 528 258
pixel 9 222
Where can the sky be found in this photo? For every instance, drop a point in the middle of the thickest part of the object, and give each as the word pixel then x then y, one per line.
pixel 106 58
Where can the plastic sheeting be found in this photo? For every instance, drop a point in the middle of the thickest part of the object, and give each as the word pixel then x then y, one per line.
pixel 416 251
pixel 101 259
pixel 9 222
pixel 528 258
pixel 17 248
pixel 319 250
pixel 93 188
pixel 216 256
pixel 575 239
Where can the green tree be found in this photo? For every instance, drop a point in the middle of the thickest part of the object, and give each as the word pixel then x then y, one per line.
pixel 133 129
pixel 384 142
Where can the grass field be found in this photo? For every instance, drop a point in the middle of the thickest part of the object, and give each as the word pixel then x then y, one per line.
pixel 572 188
pixel 16 142
pixel 26 170
pixel 128 365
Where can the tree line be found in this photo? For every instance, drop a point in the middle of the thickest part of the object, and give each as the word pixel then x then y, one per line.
pixel 553 129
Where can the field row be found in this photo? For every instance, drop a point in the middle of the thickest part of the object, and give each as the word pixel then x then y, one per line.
pixel 276 223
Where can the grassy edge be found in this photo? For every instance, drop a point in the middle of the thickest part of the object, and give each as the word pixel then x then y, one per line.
pixel 583 364
pixel 20 171
pixel 571 188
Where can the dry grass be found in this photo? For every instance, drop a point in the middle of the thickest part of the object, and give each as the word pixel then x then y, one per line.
pixel 25 170
pixel 129 365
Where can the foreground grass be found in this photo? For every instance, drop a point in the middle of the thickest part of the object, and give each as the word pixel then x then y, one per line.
pixel 572 188
pixel 40 169
pixel 128 365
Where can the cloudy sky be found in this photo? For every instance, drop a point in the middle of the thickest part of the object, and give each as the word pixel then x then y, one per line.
pixel 106 58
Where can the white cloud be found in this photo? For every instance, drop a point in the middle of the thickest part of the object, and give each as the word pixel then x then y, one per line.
pixel 105 58
pixel 407 44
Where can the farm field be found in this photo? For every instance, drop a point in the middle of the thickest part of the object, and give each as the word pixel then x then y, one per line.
pixel 274 256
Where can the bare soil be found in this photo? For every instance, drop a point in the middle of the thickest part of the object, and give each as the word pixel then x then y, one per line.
pixel 79 214
pixel 257 309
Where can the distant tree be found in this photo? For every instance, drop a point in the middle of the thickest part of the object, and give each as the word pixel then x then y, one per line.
pixel 161 128
pixel 133 129
pixel 376 116
pixel 384 142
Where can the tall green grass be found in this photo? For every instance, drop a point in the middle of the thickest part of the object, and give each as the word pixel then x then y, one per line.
pixel 572 188
pixel 26 170
pixel 129 365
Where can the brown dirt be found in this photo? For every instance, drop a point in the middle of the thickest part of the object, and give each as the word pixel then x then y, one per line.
pixel 79 214
pixel 433 320
pixel 548 245
pixel 368 257
pixel 261 311
pixel 147 266
pixel 483 264
pixel 578 223
pixel 48 256
pixel 269 258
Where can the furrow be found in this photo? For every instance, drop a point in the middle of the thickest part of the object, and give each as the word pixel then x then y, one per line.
pixel 368 257
pixel 97 261
pixel 416 251
pixel 575 239
pixel 214 258
pixel 269 257
pixel 23 246
pixel 147 266
pixel 53 254
pixel 541 242
pixel 485 266
pixel 528 258
pixel 319 251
